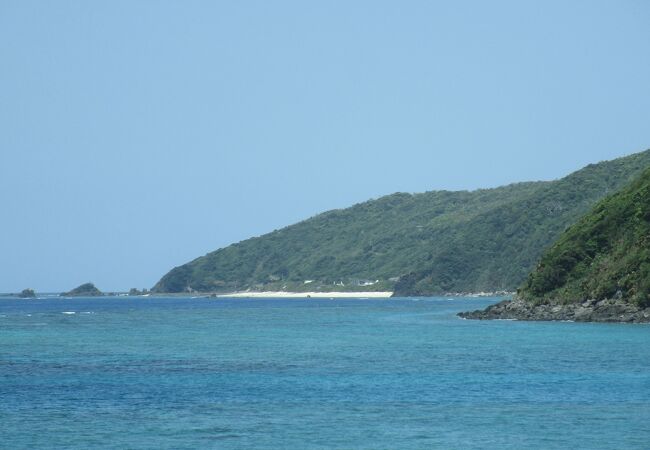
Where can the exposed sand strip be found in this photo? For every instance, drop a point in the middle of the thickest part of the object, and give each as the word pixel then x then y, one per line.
pixel 280 294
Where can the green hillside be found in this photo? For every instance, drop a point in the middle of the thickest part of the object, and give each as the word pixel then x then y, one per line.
pixel 417 244
pixel 605 255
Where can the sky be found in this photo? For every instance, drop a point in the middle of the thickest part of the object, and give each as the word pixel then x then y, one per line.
pixel 138 135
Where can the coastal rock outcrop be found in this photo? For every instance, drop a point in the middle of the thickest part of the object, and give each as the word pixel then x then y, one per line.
pixel 609 310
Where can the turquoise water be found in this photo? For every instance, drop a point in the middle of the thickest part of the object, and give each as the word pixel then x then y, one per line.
pixel 310 374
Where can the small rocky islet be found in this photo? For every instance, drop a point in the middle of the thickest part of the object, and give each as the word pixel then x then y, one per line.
pixel 27 293
pixel 85 290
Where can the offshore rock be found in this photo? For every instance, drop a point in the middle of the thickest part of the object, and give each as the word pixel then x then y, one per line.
pixel 85 290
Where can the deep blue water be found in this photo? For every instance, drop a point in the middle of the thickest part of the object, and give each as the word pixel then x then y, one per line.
pixel 310 374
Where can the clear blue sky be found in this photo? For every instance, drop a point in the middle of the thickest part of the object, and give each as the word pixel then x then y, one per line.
pixel 138 135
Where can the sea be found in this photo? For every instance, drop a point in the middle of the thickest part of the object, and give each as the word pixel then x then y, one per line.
pixel 400 373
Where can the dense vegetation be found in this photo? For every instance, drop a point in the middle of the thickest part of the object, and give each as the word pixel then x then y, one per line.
pixel 85 290
pixel 417 244
pixel 605 255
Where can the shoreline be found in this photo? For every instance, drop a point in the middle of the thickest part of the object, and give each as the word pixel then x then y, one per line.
pixel 282 294
pixel 273 294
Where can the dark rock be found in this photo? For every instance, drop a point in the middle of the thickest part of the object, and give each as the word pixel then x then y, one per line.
pixel 611 310
pixel 27 293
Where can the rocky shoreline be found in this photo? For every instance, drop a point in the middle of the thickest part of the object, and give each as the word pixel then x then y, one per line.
pixel 613 310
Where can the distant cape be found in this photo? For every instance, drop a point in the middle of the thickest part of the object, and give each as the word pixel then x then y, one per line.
pixel 431 243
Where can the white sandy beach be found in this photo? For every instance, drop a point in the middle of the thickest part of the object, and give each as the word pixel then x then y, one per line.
pixel 281 294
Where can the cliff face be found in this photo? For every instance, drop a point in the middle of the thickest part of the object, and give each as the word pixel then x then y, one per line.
pixel 413 244
pixel 599 269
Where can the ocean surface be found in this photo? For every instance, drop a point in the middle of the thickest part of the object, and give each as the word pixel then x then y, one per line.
pixel 314 374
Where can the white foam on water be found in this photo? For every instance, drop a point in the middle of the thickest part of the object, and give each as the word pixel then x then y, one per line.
pixel 68 312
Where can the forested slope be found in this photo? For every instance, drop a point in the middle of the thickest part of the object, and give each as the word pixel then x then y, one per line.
pixel 416 244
